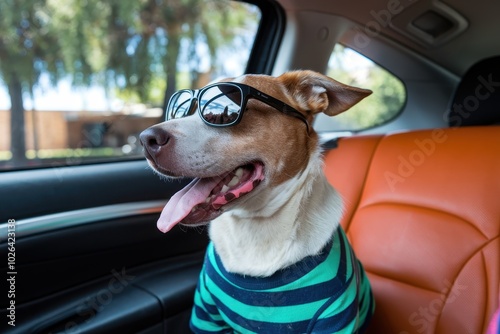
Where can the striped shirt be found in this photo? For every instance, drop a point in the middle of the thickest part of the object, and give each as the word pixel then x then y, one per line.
pixel 325 293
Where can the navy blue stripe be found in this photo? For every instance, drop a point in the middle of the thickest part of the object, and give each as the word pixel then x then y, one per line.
pixel 302 295
pixel 369 314
pixel 262 326
pixel 329 302
pixel 336 322
pixel 209 307
pixel 202 315
pixel 212 309
pixel 342 271
pixel 355 268
pixel 248 290
pixel 201 331
pixel 281 277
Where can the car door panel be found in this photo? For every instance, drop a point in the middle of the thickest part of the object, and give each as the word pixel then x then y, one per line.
pixel 33 193
pixel 71 254
pixel 78 227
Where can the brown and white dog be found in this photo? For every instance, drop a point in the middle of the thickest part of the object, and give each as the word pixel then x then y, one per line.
pixel 260 182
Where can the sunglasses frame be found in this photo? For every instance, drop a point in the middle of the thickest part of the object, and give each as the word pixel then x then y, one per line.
pixel 247 92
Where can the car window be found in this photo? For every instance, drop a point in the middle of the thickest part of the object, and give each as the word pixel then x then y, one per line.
pixel 387 100
pixel 79 80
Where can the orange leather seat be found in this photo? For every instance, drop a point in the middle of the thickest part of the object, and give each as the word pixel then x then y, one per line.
pixel 422 211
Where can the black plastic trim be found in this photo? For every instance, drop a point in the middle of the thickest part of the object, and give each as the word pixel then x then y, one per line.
pixel 50 262
pixel 61 189
pixel 137 305
pixel 268 38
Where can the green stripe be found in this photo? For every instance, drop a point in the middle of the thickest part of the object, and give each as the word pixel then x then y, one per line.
pixel 281 314
pixel 365 290
pixel 203 325
pixel 349 268
pixel 322 273
pixel 342 302
pixel 351 328
pixel 199 300
pixel 236 328
pixel 267 311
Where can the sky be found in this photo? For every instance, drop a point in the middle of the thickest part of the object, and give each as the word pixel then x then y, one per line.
pixel 63 97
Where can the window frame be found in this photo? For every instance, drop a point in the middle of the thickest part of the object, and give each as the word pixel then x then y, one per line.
pixel 268 38
pixel 389 120
pixel 261 59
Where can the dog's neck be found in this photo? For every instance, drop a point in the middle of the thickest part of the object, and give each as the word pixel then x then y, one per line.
pixel 280 226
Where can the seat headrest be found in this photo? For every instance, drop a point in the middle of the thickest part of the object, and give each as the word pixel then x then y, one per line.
pixel 477 98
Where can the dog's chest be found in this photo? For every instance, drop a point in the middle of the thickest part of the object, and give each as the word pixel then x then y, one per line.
pixel 291 300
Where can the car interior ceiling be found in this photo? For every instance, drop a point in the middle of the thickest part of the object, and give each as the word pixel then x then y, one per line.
pixel 451 31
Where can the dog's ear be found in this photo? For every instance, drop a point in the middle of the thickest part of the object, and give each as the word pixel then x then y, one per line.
pixel 317 93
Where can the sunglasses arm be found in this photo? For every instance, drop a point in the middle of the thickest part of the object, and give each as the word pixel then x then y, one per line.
pixel 294 113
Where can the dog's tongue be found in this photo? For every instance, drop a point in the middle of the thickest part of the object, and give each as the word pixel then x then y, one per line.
pixel 179 205
pixel 200 200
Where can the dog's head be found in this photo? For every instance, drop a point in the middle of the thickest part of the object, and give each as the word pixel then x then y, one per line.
pixel 231 165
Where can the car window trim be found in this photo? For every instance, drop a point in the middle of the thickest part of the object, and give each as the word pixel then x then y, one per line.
pixel 56 221
pixel 268 38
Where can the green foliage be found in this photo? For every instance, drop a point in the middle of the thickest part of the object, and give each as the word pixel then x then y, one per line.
pixel 28 47
pixel 114 43
pixel 388 91
pixel 74 153
pixel 65 153
pixel 81 27
pixel 133 47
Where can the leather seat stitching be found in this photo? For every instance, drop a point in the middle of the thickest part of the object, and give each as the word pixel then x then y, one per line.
pixel 483 261
pixel 473 253
pixel 361 191
pixel 430 209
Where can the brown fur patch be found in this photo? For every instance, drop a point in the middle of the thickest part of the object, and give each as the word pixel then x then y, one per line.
pixel 282 142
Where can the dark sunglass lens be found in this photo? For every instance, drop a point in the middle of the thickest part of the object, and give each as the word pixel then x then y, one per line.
pixel 180 105
pixel 220 104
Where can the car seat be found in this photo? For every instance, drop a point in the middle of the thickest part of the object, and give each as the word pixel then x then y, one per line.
pixel 422 211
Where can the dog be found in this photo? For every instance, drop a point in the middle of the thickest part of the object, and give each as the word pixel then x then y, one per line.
pixel 278 260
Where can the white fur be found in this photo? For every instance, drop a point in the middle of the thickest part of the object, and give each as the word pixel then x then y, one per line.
pixel 280 225
pixel 270 228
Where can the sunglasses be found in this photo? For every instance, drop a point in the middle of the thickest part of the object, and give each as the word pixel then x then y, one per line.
pixel 222 104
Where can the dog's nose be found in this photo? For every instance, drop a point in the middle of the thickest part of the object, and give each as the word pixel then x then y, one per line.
pixel 153 139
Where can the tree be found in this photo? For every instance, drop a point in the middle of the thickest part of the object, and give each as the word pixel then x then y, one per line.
pixel 131 45
pixel 27 49
pixel 134 45
pixel 166 29
pixel 388 91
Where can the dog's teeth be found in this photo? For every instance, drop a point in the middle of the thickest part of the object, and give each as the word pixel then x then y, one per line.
pixel 207 199
pixel 234 181
pixel 225 188
pixel 239 172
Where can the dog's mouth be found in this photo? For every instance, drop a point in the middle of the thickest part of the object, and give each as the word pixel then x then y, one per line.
pixel 204 198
